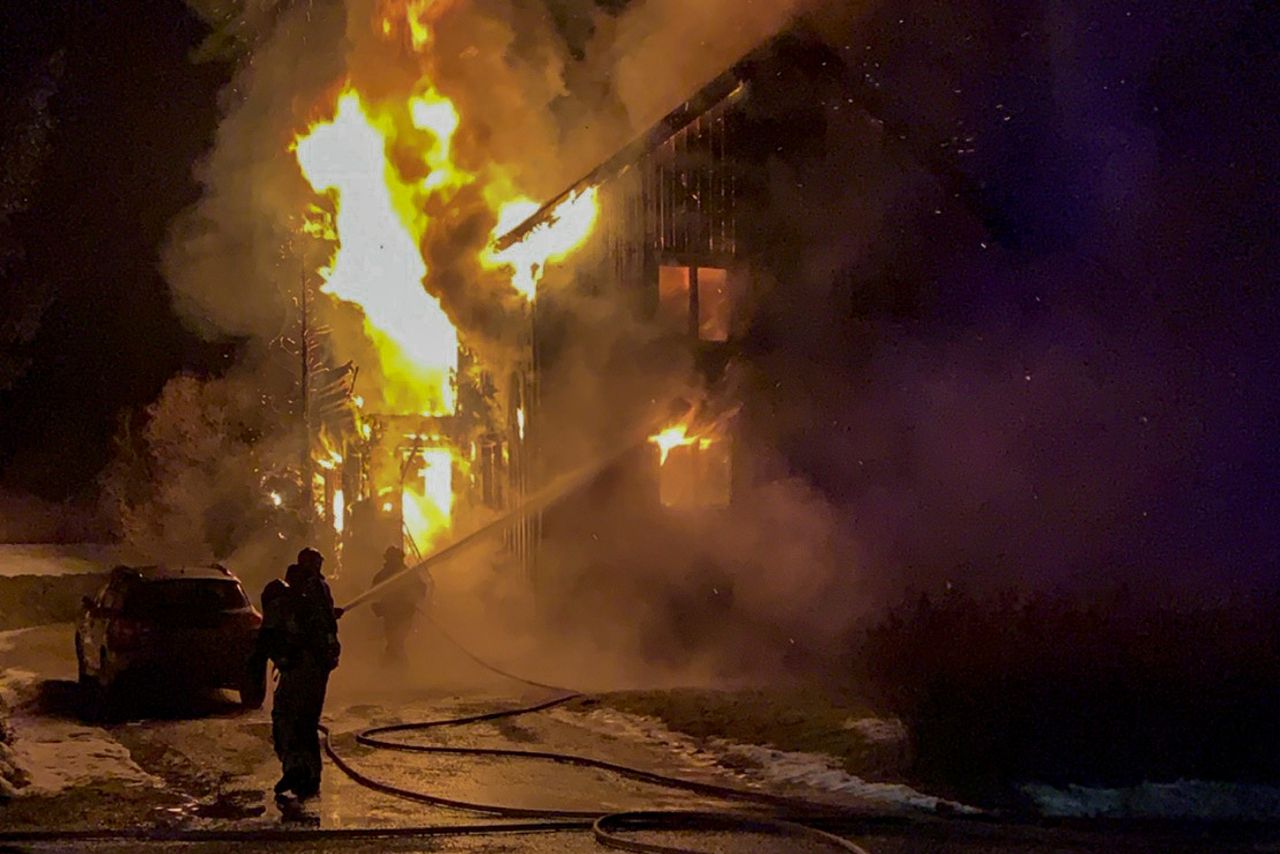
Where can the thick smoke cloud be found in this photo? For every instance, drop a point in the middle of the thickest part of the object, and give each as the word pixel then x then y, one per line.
pixel 1055 367
pixel 189 479
pixel 232 261
pixel 1019 330
pixel 1056 374
pixel 639 64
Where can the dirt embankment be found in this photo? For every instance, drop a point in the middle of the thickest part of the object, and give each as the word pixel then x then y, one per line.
pixel 35 600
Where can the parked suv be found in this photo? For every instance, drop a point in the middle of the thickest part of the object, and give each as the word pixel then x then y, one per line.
pixel 192 627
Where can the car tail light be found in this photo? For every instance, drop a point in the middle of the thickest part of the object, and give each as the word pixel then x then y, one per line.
pixel 250 619
pixel 242 621
pixel 124 632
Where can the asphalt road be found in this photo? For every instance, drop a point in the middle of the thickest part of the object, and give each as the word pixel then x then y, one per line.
pixel 204 764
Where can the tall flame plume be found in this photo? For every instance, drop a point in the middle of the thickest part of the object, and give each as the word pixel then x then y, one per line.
pixel 371 213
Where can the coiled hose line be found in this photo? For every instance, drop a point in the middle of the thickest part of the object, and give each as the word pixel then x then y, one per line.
pixel 776 815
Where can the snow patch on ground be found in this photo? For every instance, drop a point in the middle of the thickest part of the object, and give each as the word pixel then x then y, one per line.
pixel 775 766
pixel 1185 799
pixel 11 638
pixel 16 685
pixel 51 755
pixel 58 755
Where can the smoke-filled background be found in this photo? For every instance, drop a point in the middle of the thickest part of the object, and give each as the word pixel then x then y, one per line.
pixel 1070 297
pixel 1054 372
pixel 1058 366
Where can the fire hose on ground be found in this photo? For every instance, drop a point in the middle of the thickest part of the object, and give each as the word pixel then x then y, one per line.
pixel 787 816
pixel 774 815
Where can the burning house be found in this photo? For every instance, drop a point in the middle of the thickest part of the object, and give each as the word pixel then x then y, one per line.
pixel 638 298
pixel 684 250
pixel 408 440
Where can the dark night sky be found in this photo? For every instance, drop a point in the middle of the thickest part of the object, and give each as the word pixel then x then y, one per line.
pixel 132 116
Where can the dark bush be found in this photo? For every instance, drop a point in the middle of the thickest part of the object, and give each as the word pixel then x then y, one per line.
pixel 1107 691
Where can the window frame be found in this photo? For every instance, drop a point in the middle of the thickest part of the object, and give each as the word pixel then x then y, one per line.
pixel 693 320
pixel 701 460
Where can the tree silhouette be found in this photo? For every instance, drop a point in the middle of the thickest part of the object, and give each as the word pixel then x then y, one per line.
pixel 24 148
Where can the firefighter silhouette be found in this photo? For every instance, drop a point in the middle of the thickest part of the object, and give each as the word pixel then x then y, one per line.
pixel 399 604
pixel 300 636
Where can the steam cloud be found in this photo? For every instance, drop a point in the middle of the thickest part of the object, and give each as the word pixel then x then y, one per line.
pixel 1035 384
pixel 1043 379
pixel 1038 385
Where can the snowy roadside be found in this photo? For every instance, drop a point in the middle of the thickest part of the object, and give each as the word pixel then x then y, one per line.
pixel 766 764
pixel 53 756
pixel 14 686
pixel 44 755
pixel 1198 800
pixel 12 777
pixel 13 638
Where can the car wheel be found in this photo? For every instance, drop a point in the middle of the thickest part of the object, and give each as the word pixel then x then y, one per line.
pixel 97 699
pixel 93 699
pixel 82 671
pixel 90 692
pixel 253 686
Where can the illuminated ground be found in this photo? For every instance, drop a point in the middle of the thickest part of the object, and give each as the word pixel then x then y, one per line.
pixel 206 764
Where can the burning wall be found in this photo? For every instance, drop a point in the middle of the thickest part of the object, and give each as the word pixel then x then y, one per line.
pixel 669 527
pixel 977 439
pixel 383 145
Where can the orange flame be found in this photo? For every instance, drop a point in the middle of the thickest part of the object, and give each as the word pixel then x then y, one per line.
pixel 373 218
pixel 677 437
pixel 377 264
pixel 427 502
pixel 565 228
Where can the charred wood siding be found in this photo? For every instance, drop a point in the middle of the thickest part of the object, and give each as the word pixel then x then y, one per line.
pixel 689 193
pixel 522 538
pixel 689 189
pixel 674 204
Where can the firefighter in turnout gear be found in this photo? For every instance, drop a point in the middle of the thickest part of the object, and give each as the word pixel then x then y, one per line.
pixel 398 604
pixel 300 636
pixel 271 645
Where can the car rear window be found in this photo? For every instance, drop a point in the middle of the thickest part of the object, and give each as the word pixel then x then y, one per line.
pixel 186 596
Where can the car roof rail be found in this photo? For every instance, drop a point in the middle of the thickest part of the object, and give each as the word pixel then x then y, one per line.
pixel 222 569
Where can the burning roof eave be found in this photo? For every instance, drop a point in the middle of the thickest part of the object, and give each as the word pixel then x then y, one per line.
pixel 730 85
